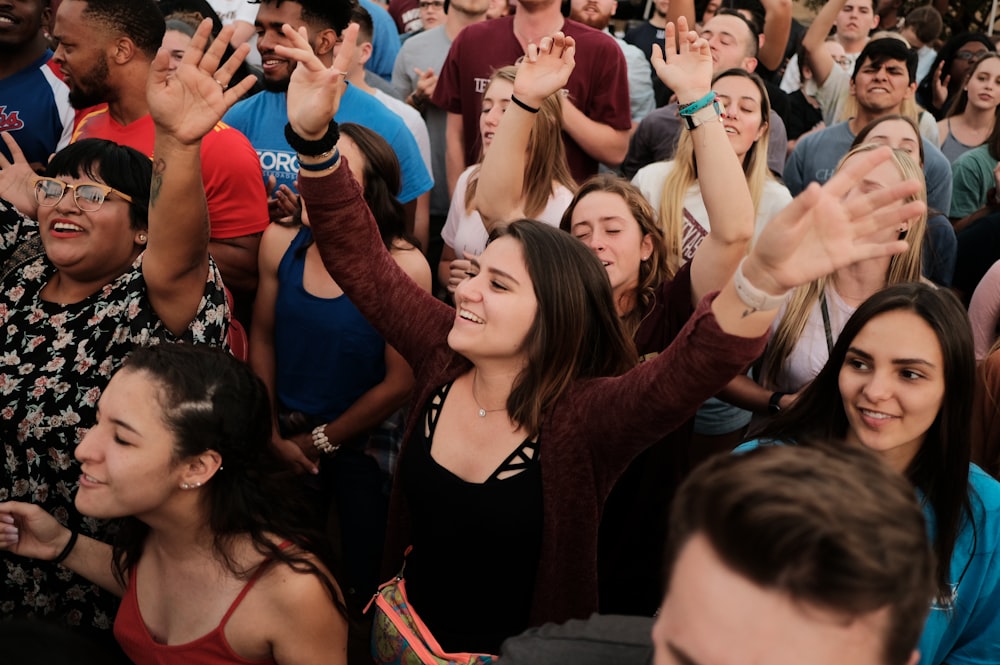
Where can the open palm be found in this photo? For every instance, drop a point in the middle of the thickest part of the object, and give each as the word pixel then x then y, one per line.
pixel 546 67
pixel 314 90
pixel 188 102
pixel 685 63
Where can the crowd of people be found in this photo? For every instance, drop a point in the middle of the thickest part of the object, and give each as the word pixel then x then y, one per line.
pixel 465 331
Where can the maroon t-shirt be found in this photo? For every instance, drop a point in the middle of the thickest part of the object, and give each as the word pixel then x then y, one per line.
pixel 598 85
pixel 406 13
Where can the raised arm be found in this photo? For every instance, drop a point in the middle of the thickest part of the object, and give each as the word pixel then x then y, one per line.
pixel 16 178
pixel 819 59
pixel 410 319
pixel 777 28
pixel 815 235
pixel 185 105
pixel 544 71
pixel 27 530
pixel 687 70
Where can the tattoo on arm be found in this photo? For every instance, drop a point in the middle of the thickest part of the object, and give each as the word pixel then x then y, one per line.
pixel 159 166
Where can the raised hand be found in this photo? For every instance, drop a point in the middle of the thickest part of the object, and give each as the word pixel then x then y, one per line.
pixel 16 178
pixel 314 90
pixel 545 69
pixel 189 101
pixel 823 229
pixel 426 83
pixel 685 63
pixel 939 85
pixel 27 530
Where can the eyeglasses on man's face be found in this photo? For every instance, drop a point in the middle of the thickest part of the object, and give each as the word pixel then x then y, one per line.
pixel 89 196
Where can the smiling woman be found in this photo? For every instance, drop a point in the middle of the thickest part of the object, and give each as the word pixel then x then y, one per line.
pixel 528 400
pixel 103 270
pixel 900 382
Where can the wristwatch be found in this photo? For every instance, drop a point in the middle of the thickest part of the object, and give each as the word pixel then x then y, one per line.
pixel 710 113
pixel 774 404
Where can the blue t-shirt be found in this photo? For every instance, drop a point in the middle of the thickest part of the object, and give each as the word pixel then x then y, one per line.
pixel 968 631
pixel 262 119
pixel 35 109
pixel 816 156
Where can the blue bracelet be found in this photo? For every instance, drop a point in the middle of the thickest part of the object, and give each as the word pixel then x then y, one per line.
pixel 698 105
pixel 322 166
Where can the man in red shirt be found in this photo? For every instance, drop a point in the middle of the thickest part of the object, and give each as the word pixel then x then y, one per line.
pixel 105 50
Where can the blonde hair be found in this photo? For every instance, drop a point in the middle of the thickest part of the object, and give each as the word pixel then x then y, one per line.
pixel 685 173
pixel 903 267
pixel 546 163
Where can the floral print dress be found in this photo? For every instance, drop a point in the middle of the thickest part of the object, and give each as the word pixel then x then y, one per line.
pixel 54 362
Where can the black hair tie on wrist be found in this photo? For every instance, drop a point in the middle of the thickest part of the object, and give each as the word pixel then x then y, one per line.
pixel 73 535
pixel 313 148
pixel 529 109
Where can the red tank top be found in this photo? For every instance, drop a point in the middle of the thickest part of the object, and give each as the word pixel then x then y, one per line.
pixel 210 649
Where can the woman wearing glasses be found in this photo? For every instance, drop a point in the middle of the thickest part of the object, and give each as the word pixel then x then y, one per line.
pixel 107 253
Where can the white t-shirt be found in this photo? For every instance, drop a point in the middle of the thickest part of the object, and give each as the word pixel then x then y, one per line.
pixel 239 10
pixel 650 179
pixel 811 351
pixel 414 122
pixel 465 232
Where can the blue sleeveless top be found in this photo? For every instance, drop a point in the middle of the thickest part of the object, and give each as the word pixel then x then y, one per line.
pixel 326 354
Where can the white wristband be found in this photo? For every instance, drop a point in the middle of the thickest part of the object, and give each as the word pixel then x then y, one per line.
pixel 755 299
pixel 322 441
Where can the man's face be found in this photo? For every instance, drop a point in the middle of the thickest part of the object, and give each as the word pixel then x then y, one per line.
pixel 707 600
pixel 82 56
pixel 881 88
pixel 855 21
pixel 595 13
pixel 661 7
pixel 270 17
pixel 729 39
pixel 20 23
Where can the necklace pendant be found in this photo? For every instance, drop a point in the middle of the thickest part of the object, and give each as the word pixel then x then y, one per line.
pixel 482 412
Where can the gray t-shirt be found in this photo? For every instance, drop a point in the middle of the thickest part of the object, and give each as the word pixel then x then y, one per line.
pixel 427 49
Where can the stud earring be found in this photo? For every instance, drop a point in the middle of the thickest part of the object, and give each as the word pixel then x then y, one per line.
pixel 142 238
pixel 188 486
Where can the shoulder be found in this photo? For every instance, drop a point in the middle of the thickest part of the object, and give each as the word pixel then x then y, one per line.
pixel 977 159
pixel 933 157
pixel 653 173
pixel 987 489
pixel 413 263
pixel 274 242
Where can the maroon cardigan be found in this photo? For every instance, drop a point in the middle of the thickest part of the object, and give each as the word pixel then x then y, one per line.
pixel 590 434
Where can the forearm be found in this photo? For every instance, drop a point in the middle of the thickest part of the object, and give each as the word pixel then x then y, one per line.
pixel 729 206
pixel 747 394
pixel 777 28
pixel 819 59
pixel 371 409
pixel 178 211
pixel 680 8
pixel 602 142
pixel 92 559
pixel 501 176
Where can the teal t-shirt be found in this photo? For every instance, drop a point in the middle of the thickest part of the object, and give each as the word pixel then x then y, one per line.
pixel 967 631
pixel 971 179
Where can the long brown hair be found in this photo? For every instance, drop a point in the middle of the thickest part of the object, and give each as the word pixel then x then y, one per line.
pixel 576 333
pixel 546 163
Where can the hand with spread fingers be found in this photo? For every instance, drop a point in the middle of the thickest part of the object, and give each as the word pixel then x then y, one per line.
pixel 823 229
pixel 314 90
pixel 17 178
pixel 188 102
pixel 685 63
pixel 545 69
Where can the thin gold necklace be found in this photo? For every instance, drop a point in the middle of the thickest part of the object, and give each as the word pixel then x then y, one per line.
pixel 482 411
